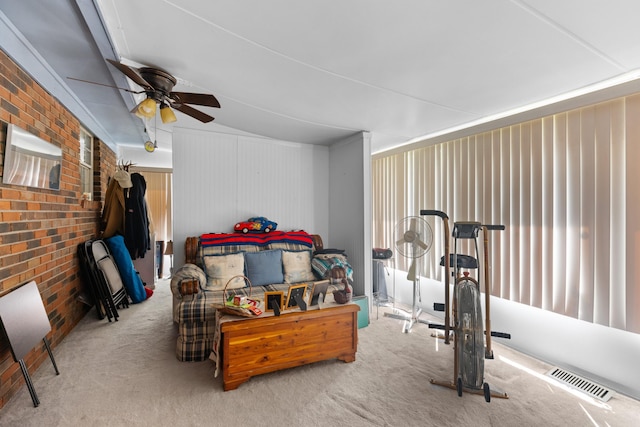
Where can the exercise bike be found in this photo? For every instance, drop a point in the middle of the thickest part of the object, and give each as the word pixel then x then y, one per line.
pixel 469 331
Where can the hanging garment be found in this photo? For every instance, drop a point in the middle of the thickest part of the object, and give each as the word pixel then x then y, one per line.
pixel 136 226
pixel 112 221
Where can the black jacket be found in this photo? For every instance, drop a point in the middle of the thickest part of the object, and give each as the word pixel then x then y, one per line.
pixel 136 228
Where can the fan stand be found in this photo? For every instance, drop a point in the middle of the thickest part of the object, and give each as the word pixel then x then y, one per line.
pixel 410 317
pixel 412 242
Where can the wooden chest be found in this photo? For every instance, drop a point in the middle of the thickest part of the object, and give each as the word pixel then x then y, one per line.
pixel 266 344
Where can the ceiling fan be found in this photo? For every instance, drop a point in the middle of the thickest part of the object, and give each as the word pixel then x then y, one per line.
pixel 157 84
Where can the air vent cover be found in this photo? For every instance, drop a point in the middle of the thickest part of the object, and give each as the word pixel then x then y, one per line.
pixel 584 385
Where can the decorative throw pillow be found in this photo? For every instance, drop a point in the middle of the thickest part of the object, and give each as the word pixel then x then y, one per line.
pixel 331 256
pixel 297 266
pixel 322 266
pixel 221 268
pixel 264 267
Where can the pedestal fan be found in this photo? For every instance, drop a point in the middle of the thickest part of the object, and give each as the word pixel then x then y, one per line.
pixel 413 239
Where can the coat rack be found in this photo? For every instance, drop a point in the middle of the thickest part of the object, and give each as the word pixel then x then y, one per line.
pixel 122 165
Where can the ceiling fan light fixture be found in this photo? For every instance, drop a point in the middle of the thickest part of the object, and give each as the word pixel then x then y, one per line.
pixel 147 108
pixel 158 86
pixel 166 114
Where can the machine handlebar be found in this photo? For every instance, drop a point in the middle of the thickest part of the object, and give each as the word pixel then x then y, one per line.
pixel 434 212
pixel 493 227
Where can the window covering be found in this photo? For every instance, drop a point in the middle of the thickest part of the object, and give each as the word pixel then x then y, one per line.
pixel 567 188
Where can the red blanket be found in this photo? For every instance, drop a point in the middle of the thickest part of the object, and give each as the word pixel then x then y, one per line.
pixel 258 239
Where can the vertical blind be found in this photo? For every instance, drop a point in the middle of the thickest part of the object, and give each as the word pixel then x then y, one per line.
pixel 567 188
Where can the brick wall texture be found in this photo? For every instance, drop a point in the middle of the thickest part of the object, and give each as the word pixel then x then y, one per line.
pixel 40 229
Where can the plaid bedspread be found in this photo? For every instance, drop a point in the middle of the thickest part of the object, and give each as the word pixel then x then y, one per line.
pixel 197 320
pixel 194 313
pixel 200 310
pixel 231 243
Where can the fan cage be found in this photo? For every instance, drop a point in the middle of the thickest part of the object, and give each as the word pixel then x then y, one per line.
pixel 413 237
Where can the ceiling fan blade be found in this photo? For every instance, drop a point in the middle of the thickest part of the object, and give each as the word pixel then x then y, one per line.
pixel 195 98
pixel 190 111
pixel 105 85
pixel 132 73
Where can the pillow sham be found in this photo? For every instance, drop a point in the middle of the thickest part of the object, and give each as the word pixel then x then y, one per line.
pixel 264 267
pixel 297 266
pixel 221 268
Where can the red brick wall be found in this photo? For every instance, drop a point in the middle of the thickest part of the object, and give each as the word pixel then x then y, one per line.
pixel 41 229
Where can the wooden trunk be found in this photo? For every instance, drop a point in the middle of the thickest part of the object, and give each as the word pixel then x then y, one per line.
pixel 266 344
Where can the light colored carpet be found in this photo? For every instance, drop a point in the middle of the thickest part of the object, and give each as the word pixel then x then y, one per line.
pixel 126 373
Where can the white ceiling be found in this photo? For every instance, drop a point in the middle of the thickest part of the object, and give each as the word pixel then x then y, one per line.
pixel 319 71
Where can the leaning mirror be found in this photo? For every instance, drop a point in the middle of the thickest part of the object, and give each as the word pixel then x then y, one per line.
pixel 30 160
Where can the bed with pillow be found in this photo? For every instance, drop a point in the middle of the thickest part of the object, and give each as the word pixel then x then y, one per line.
pixel 270 261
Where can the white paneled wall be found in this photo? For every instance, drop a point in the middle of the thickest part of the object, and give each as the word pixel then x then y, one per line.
pixel 220 179
pixel 350 206
pixel 275 176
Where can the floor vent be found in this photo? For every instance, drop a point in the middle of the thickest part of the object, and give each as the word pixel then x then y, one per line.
pixel 584 385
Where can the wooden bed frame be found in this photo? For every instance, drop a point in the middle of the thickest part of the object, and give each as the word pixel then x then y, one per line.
pixel 259 345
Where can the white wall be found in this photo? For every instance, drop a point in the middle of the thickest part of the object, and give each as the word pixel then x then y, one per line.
pixel 606 355
pixel 220 179
pixel 350 206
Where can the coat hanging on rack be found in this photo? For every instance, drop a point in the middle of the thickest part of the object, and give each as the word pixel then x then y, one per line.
pixel 136 227
pixel 113 213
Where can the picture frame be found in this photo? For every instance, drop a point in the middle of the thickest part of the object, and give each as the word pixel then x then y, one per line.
pixel 295 291
pixel 271 298
pixel 318 288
